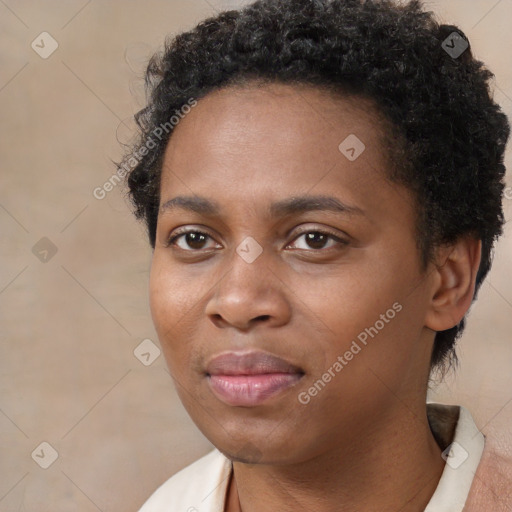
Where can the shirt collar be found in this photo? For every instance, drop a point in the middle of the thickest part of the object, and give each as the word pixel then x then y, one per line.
pixel 462 452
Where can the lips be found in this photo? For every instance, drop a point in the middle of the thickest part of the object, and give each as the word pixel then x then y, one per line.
pixel 248 379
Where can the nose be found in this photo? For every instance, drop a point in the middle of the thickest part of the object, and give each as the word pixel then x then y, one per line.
pixel 249 294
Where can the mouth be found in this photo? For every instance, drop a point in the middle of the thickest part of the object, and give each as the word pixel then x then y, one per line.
pixel 250 378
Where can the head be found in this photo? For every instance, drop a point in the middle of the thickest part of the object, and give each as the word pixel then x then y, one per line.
pixel 347 173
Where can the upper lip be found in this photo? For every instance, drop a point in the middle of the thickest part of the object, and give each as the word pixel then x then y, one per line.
pixel 249 363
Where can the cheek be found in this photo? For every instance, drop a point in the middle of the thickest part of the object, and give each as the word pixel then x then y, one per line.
pixel 172 292
pixel 370 311
pixel 349 299
pixel 170 301
pixel 161 298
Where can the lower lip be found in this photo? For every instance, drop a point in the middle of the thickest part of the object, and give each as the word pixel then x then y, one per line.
pixel 250 390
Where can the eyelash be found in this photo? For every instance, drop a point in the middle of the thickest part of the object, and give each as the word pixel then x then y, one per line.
pixel 171 241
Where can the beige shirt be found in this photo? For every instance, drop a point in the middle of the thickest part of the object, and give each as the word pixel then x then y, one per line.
pixel 202 486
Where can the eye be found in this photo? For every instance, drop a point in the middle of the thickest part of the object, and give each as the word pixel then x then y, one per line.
pixel 316 240
pixel 193 238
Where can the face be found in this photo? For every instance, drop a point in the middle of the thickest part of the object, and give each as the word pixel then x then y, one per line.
pixel 286 287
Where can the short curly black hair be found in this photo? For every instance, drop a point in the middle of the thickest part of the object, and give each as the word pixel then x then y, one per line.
pixel 449 136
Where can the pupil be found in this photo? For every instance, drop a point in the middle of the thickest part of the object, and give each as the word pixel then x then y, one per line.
pixel 194 238
pixel 316 238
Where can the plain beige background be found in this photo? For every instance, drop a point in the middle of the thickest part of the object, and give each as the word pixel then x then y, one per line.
pixel 69 325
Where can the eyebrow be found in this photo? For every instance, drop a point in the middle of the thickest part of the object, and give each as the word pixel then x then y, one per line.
pixel 282 208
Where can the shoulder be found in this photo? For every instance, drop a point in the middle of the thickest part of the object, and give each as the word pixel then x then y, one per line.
pixel 199 487
pixel 492 484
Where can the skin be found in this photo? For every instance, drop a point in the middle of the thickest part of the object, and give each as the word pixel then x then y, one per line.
pixel 304 301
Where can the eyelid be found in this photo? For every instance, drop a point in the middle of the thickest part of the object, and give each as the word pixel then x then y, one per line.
pixel 342 237
pixel 339 244
pixel 183 230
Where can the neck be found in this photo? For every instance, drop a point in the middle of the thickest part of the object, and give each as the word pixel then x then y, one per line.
pixel 391 465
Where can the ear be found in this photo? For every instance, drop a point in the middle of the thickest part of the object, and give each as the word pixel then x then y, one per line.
pixel 453 283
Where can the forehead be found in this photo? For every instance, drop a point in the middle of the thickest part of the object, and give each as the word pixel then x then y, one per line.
pixel 273 123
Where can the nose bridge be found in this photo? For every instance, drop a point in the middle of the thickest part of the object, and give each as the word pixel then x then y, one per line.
pixel 249 267
pixel 249 288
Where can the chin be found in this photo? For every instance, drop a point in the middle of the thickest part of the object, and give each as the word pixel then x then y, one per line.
pixel 257 450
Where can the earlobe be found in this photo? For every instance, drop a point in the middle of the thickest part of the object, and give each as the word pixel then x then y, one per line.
pixel 453 283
